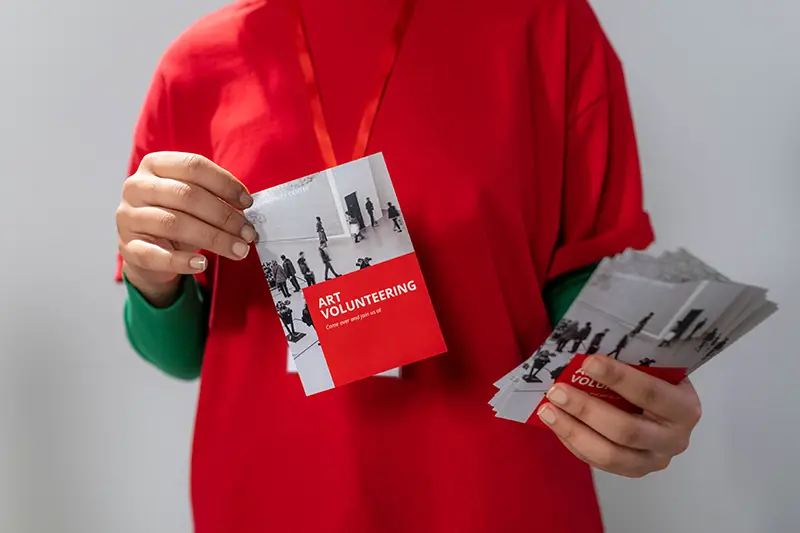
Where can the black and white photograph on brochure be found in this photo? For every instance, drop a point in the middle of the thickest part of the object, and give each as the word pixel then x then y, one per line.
pixel 636 320
pixel 321 227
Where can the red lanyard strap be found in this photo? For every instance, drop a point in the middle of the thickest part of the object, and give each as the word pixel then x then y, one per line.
pixel 386 66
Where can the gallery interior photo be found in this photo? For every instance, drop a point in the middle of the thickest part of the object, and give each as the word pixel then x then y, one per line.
pixel 319 227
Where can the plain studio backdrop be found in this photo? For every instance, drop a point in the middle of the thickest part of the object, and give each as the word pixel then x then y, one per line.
pixel 94 441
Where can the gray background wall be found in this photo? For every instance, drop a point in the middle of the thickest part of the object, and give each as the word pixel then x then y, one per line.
pixel 92 441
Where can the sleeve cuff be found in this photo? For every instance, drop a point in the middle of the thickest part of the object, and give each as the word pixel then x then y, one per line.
pixel 189 299
pixel 171 338
pixel 560 293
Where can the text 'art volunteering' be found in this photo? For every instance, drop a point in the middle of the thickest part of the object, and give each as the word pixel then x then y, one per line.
pixel 331 305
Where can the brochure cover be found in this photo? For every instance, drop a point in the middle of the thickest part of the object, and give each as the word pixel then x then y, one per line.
pixel 344 276
pixel 665 316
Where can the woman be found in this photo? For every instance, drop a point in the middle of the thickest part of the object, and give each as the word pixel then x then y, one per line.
pixel 507 123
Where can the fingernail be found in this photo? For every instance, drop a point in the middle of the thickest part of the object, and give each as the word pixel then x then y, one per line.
pixel 198 263
pixel 240 250
pixel 594 368
pixel 248 233
pixel 246 200
pixel 557 396
pixel 546 415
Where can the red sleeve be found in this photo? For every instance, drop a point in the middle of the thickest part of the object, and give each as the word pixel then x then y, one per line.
pixel 602 212
pixel 152 133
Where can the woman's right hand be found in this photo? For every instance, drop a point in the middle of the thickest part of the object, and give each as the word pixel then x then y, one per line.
pixel 174 205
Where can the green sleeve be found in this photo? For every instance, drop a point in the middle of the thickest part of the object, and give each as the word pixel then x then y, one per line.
pixel 171 338
pixel 559 294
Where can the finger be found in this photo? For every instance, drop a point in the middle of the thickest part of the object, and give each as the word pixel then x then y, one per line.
pixel 150 256
pixel 193 168
pixel 619 427
pixel 658 462
pixel 193 200
pixel 573 451
pixel 595 449
pixel 182 228
pixel 670 402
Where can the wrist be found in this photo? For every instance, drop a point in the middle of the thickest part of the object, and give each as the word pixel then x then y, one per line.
pixel 159 290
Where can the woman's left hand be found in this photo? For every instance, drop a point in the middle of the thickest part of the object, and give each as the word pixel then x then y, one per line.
pixel 615 441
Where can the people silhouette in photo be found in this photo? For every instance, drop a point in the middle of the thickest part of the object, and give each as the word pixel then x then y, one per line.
pixel 541 360
pixel 623 342
pixel 394 216
pixel 640 326
pixel 306 317
pixel 594 345
pixel 267 268
pixel 554 374
pixel 714 341
pixel 308 274
pixel 708 338
pixel 716 348
pixel 560 329
pixel 280 279
pixel 323 237
pixel 355 229
pixel 370 211
pixel 286 314
pixel 570 332
pixel 697 328
pixel 291 273
pixel 581 336
pixel 647 362
pixel 363 262
pixel 326 259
